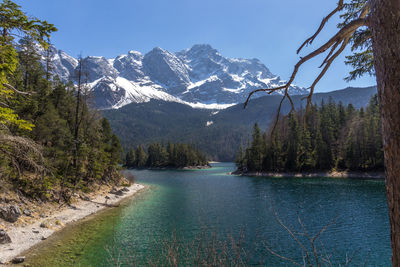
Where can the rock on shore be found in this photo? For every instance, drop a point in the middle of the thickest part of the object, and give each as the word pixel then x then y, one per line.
pixel 4 237
pixel 10 213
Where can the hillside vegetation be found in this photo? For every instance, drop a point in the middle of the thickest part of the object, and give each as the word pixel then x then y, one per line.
pixel 219 133
pixel 52 142
pixel 165 156
pixel 334 137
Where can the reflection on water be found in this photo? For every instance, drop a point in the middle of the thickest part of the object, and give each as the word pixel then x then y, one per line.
pixel 187 202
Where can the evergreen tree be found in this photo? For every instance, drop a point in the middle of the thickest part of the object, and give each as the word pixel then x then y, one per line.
pixel 255 159
pixel 38 133
pixel 12 20
pixel 239 160
pixel 293 144
pixel 333 137
pixel 130 158
pixel 140 157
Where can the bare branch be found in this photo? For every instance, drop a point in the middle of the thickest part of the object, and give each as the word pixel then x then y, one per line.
pixel 4 104
pixel 314 248
pixel 269 90
pixel 22 152
pixel 333 49
pixel 278 114
pixel 342 34
pixel 309 41
pixel 8 86
pixel 323 229
pixel 290 232
pixel 365 10
pixel 281 256
pixel 327 66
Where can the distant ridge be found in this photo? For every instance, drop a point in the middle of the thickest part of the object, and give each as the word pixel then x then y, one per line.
pixel 217 132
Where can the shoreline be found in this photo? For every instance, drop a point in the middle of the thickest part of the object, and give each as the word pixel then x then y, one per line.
pixel 173 168
pixel 27 235
pixel 344 175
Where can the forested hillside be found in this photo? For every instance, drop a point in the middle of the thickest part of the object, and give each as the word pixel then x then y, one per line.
pixel 334 137
pixel 170 155
pixel 52 142
pixel 218 133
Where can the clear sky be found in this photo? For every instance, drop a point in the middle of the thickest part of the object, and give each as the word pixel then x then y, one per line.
pixel 269 30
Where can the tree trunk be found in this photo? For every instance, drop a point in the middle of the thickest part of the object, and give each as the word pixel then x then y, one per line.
pixel 385 26
pixel 77 124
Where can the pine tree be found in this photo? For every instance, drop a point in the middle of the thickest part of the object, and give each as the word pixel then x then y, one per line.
pixel 256 156
pixel 130 158
pixel 293 144
pixel 13 19
pixel 140 157
pixel 239 160
pixel 306 160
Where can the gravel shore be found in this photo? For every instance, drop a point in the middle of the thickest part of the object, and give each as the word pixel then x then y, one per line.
pixel 346 174
pixel 25 236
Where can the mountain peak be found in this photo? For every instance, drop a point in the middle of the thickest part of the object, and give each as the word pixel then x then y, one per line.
pixel 135 54
pixel 200 51
pixel 158 50
pixel 199 74
pixel 201 47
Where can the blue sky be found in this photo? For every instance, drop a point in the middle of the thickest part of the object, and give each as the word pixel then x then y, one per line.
pixel 269 30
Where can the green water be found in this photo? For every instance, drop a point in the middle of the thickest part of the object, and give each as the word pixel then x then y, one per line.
pixel 191 202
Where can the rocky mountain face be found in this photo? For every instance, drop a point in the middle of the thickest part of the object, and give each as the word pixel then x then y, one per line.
pixel 199 76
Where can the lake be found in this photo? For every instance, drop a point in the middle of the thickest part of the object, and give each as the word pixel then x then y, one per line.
pixel 211 205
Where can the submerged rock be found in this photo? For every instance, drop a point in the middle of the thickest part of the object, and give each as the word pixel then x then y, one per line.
pixel 10 213
pixel 17 260
pixel 4 237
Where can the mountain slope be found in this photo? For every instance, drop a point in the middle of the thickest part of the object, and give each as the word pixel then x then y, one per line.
pixel 199 76
pixel 217 132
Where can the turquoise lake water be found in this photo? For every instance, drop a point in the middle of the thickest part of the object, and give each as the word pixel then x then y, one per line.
pixel 189 203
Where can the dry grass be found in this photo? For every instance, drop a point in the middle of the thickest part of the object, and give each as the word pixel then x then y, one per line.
pixel 204 250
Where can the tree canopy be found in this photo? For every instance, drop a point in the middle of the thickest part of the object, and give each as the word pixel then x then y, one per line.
pixel 170 155
pixel 38 119
pixel 335 138
pixel 16 24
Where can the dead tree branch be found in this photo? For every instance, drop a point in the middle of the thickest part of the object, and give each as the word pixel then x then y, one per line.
pixel 309 41
pixel 340 39
pixel 10 87
pixel 23 153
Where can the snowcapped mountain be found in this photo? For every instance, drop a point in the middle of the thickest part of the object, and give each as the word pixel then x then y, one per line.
pixel 199 76
pixel 63 65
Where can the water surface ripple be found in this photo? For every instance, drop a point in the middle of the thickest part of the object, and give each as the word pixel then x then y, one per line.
pixel 188 202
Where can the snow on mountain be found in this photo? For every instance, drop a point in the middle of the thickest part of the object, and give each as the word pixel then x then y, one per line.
pixel 62 64
pixel 199 76
pixel 167 70
pixel 118 92
pixel 130 66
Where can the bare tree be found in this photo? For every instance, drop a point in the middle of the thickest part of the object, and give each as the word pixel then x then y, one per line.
pixel 312 248
pixel 377 23
pixel 77 120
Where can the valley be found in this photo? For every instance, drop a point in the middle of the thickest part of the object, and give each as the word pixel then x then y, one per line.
pixel 163 121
